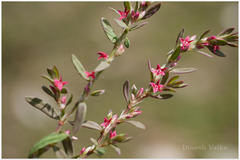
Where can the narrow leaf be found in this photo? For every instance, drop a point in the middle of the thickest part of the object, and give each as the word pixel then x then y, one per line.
pixel 47 78
pixel 69 100
pixel 175 54
pixel 204 34
pixel 137 26
pixel 183 70
pixel 180 35
pixel 55 70
pixel 205 54
pixel 92 125
pixel 94 141
pixel 98 92
pixel 67 145
pixel 44 107
pixel 171 80
pixel 102 66
pixel 108 30
pixel 137 124
pixel 79 117
pixel 127 5
pixel 118 150
pixel 126 90
pixel 79 67
pixel 226 31
pixel 48 91
pixel 121 23
pixel 45 142
pixel 163 96
pixel 152 11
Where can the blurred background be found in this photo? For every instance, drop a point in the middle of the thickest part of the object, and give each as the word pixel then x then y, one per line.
pixel 37 35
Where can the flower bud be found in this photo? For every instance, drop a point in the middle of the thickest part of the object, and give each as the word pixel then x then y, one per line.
pixel 120 50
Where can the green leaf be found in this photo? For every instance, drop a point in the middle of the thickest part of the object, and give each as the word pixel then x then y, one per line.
pixel 67 145
pixel 204 34
pixel 182 85
pixel 79 117
pixel 121 138
pixel 152 11
pixel 137 26
pixel 108 30
pixel 164 78
pixel 92 125
pixel 47 78
pixel 69 100
pixel 64 91
pixel 44 143
pixel 79 67
pixel 121 23
pixel 44 107
pixel 175 54
pixel 137 124
pixel 98 92
pixel 126 43
pixel 102 66
pixel 126 91
pixel 118 150
pixel 170 82
pixel 51 73
pixel 127 5
pixel 226 31
pixel 48 91
pixel 163 96
pixel 183 70
pixel 100 151
pixel 180 35
pixel 216 52
pixel 55 70
pixel 94 141
pixel 114 10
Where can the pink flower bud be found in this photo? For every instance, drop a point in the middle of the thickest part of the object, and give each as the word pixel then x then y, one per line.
pixel 82 150
pixel 63 99
pixel 67 132
pixel 157 87
pixel 120 50
pixel 74 138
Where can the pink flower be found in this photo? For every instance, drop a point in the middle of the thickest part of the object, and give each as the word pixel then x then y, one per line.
pixel 124 14
pixel 185 43
pixel 67 132
pixel 82 150
pixel 106 122
pixel 113 134
pixel 159 70
pixel 59 83
pixel 157 87
pixel 102 55
pixel 120 50
pixel 63 99
pixel 134 15
pixel 90 74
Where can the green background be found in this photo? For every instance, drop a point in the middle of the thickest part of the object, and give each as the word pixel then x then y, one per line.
pixel 38 35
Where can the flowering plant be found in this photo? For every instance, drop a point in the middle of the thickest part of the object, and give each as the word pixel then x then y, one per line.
pixel 162 84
